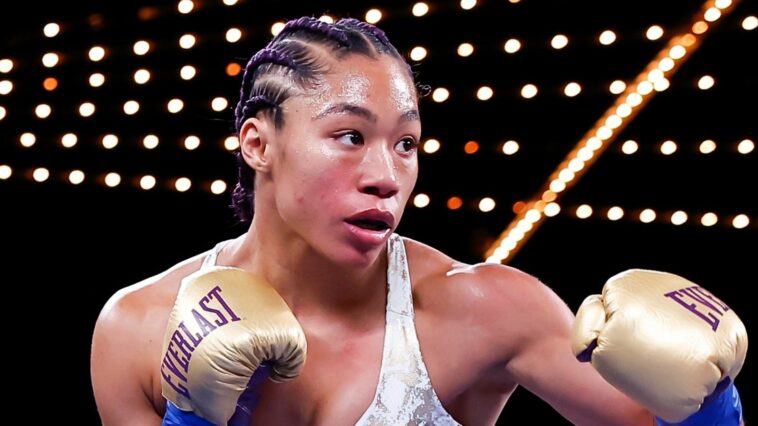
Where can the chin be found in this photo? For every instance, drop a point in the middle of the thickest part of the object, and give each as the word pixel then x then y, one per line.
pixel 358 259
pixel 351 247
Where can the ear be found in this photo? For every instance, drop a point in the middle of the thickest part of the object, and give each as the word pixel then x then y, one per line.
pixel 254 139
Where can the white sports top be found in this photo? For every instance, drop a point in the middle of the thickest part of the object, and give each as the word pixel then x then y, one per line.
pixel 404 395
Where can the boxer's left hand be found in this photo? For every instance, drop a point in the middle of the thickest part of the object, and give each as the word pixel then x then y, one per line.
pixel 664 341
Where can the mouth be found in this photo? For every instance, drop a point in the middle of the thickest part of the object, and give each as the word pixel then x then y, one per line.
pixel 372 220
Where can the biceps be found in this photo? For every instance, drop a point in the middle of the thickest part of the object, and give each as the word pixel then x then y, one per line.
pixel 120 386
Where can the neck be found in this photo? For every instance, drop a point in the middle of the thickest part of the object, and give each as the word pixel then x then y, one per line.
pixel 309 282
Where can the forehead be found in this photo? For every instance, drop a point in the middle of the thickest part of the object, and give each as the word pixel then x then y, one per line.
pixel 382 82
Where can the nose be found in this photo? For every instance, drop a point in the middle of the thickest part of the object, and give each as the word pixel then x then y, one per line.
pixel 379 172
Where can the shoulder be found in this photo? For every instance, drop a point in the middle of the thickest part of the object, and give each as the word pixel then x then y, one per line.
pixel 509 304
pixel 136 315
pixel 127 341
pixel 483 283
pixel 134 301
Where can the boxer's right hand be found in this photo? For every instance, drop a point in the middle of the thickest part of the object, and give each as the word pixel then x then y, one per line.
pixel 225 323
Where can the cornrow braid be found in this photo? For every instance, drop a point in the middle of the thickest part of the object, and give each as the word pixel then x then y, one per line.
pixel 248 104
pixel 314 25
pixel 242 194
pixel 365 28
pixel 251 106
pixel 294 61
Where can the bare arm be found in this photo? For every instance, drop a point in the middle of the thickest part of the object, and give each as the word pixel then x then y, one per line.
pixel 541 360
pixel 120 363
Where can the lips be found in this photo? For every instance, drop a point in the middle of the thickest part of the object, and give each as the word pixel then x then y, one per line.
pixel 372 220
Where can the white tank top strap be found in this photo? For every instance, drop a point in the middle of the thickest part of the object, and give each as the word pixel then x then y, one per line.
pixel 405 395
pixel 212 256
pixel 399 296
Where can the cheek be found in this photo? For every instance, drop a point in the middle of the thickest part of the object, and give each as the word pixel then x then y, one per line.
pixel 409 177
pixel 320 182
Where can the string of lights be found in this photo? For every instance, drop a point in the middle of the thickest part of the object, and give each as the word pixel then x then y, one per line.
pixel 654 78
pixel 84 99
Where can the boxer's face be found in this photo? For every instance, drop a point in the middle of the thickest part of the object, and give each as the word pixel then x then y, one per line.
pixel 346 158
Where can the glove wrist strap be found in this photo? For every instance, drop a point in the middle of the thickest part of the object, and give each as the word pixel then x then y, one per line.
pixel 722 408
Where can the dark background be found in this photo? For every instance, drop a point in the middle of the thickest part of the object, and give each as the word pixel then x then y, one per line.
pixel 68 248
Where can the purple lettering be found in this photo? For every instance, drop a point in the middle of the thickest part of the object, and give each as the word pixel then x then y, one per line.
pixel 709 318
pixel 215 294
pixel 167 363
pixel 194 338
pixel 221 318
pixel 698 297
pixel 205 325
pixel 183 345
pixel 713 298
pixel 183 362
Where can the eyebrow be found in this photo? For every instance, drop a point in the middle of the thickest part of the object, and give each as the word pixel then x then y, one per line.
pixel 348 108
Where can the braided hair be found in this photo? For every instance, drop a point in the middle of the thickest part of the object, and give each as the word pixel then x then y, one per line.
pixel 291 61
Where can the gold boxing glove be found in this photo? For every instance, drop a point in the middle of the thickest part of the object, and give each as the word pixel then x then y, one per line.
pixel 661 339
pixel 224 324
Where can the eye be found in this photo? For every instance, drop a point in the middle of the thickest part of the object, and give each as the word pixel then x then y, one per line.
pixel 351 138
pixel 406 145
